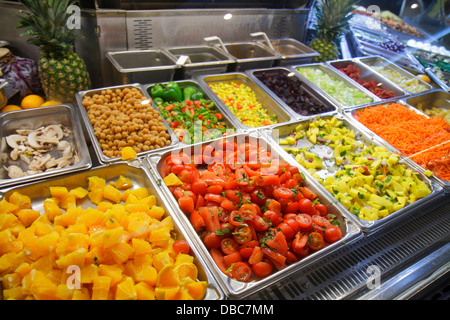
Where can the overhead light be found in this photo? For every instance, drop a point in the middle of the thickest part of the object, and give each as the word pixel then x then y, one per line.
pixel 414 6
pixel 227 16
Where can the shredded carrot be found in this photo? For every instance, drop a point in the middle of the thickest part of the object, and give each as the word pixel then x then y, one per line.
pixel 425 140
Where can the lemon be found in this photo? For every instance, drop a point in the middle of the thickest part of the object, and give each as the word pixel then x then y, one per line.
pixel 50 103
pixel 32 101
pixel 10 107
pixel 424 77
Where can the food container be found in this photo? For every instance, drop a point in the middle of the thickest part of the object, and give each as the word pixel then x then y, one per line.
pixel 367 75
pixel 323 104
pixel 405 80
pixel 3 97
pixel 351 114
pixel 291 51
pixel 33 119
pixel 201 60
pixel 142 66
pixel 429 103
pixel 232 288
pixel 90 129
pixel 330 167
pixel 247 55
pixel 140 178
pixel 363 96
pixel 192 83
pixel 273 108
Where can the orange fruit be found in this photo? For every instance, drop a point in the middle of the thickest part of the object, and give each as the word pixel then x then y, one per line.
pixel 10 107
pixel 50 103
pixel 424 77
pixel 32 101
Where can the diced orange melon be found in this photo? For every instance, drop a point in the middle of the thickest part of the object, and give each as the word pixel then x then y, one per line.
pixel 81 294
pixel 74 258
pixel 121 252
pixel 11 280
pixel 159 237
pixel 96 196
pixel 114 272
pixel 63 292
pixel 27 216
pixel 42 287
pixel 161 259
pixel 95 182
pixel 156 212
pixel 123 183
pixel 21 200
pixel 112 236
pixel 51 208
pixel 79 192
pixel 112 194
pixel 126 290
pixel 100 288
pixel 144 291
pixel 89 273
pixel 7 207
pixel 140 246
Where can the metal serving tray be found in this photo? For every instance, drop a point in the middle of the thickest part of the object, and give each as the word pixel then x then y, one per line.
pixel 323 151
pixel 292 52
pixel 90 129
pixel 375 62
pixel 140 178
pixel 335 75
pixel 142 66
pixel 250 55
pixel 201 60
pixel 66 115
pixel 438 99
pixel 263 98
pixel 368 75
pixel 193 83
pixel 351 115
pixel 319 99
pixel 235 289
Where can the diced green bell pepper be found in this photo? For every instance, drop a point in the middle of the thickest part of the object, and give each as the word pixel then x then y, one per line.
pixel 188 92
pixel 176 88
pixel 156 90
pixel 197 96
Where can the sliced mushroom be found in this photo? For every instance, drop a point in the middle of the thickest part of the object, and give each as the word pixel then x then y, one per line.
pixel 14 140
pixel 14 172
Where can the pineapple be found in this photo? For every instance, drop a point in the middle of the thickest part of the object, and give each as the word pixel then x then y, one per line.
pixel 332 20
pixel 62 72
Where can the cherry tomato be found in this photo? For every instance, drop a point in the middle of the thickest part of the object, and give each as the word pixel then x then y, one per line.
pixel 291 207
pixel 274 205
pixel 256 256
pixel 258 197
pixel 228 205
pixel 216 189
pixel 305 205
pixel 304 221
pixel 196 221
pixel 181 246
pixel 241 271
pixel 288 232
pixel 292 223
pixel 247 211
pixel 260 224
pixel 272 217
pixel 231 258
pixel 262 269
pixel 229 245
pixel 199 186
pixel 177 168
pixel 217 256
pixel 332 233
pixel 315 241
pixel 319 220
pixel 283 193
pixel 299 243
pixel 217 198
pixel 242 234
pixel 211 240
pixel 186 204
pixel 322 209
pixel 307 193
